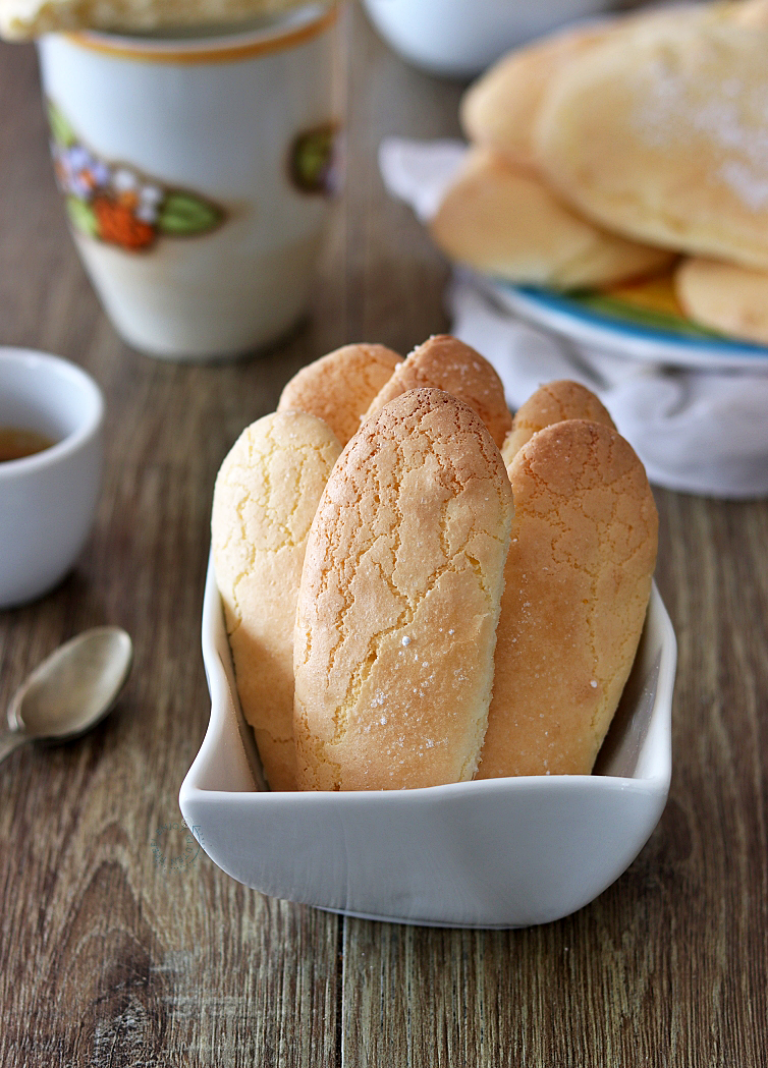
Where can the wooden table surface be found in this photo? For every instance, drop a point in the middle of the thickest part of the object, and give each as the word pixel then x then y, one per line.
pixel 109 958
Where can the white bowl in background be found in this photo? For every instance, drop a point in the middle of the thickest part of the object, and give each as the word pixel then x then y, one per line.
pixel 460 38
pixel 47 500
pixel 490 853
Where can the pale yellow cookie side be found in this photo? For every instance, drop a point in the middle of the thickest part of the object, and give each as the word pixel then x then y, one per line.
pixel 264 502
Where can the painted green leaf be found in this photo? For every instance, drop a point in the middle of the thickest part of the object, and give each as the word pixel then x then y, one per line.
pixel 82 216
pixel 312 158
pixel 184 214
pixel 61 131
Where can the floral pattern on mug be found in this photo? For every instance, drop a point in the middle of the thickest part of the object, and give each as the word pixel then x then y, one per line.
pixel 115 203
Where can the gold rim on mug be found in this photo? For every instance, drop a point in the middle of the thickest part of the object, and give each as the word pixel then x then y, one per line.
pixel 263 41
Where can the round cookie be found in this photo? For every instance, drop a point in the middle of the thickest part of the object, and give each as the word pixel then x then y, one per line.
pixel 724 297
pixel 552 403
pixel 338 388
pixel 264 501
pixel 660 136
pixel 577 583
pixel 750 13
pixel 444 362
pixel 507 223
pixel 500 108
pixel 399 601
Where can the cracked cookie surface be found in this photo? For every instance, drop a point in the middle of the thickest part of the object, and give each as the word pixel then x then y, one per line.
pixel 553 402
pixel 338 388
pixel 399 601
pixel 444 362
pixel 577 583
pixel 264 501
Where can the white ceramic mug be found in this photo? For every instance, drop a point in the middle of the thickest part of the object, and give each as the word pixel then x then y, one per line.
pixel 47 499
pixel 196 175
pixel 460 38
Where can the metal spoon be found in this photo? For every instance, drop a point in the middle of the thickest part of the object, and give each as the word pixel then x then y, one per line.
pixel 71 690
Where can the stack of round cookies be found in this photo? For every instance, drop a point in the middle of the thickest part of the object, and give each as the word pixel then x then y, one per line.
pixel 621 149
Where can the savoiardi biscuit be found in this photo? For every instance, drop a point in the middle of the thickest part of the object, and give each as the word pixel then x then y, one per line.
pixel 444 362
pixel 264 501
pixel 552 403
pixel 577 584
pixel 508 223
pixel 724 297
pixel 399 601
pixel 339 387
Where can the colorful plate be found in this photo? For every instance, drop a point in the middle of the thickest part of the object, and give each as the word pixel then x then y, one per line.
pixel 641 321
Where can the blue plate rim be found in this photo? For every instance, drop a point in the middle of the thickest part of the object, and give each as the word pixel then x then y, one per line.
pixel 545 309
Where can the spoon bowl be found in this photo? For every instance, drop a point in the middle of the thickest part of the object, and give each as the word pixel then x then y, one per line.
pixel 72 690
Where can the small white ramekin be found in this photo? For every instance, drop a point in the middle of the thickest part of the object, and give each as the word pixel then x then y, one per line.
pixel 47 500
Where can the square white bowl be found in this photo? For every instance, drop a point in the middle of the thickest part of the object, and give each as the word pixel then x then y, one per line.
pixel 492 853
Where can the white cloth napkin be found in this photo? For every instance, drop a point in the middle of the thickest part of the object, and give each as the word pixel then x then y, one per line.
pixel 696 431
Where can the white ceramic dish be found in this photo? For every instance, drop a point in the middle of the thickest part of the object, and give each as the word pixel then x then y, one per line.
pixel 460 38
pixel 47 500
pixel 619 334
pixel 494 853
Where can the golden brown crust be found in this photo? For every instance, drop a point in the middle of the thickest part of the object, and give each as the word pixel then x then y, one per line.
pixel 552 403
pixel 508 223
pixel 578 579
pixel 338 388
pixel 264 501
pixel 399 601
pixel 724 297
pixel 444 362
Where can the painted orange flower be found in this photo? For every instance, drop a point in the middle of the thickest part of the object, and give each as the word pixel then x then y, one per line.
pixel 119 205
pixel 117 224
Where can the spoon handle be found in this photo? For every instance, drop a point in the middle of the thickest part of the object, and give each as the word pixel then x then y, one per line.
pixel 10 741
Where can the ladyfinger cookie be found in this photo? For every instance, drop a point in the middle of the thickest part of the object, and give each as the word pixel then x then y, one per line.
pixel 577 583
pixel 444 362
pixel 339 387
pixel 399 601
pixel 264 501
pixel 552 403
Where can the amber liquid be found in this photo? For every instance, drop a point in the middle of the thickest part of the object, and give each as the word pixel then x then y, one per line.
pixel 16 443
